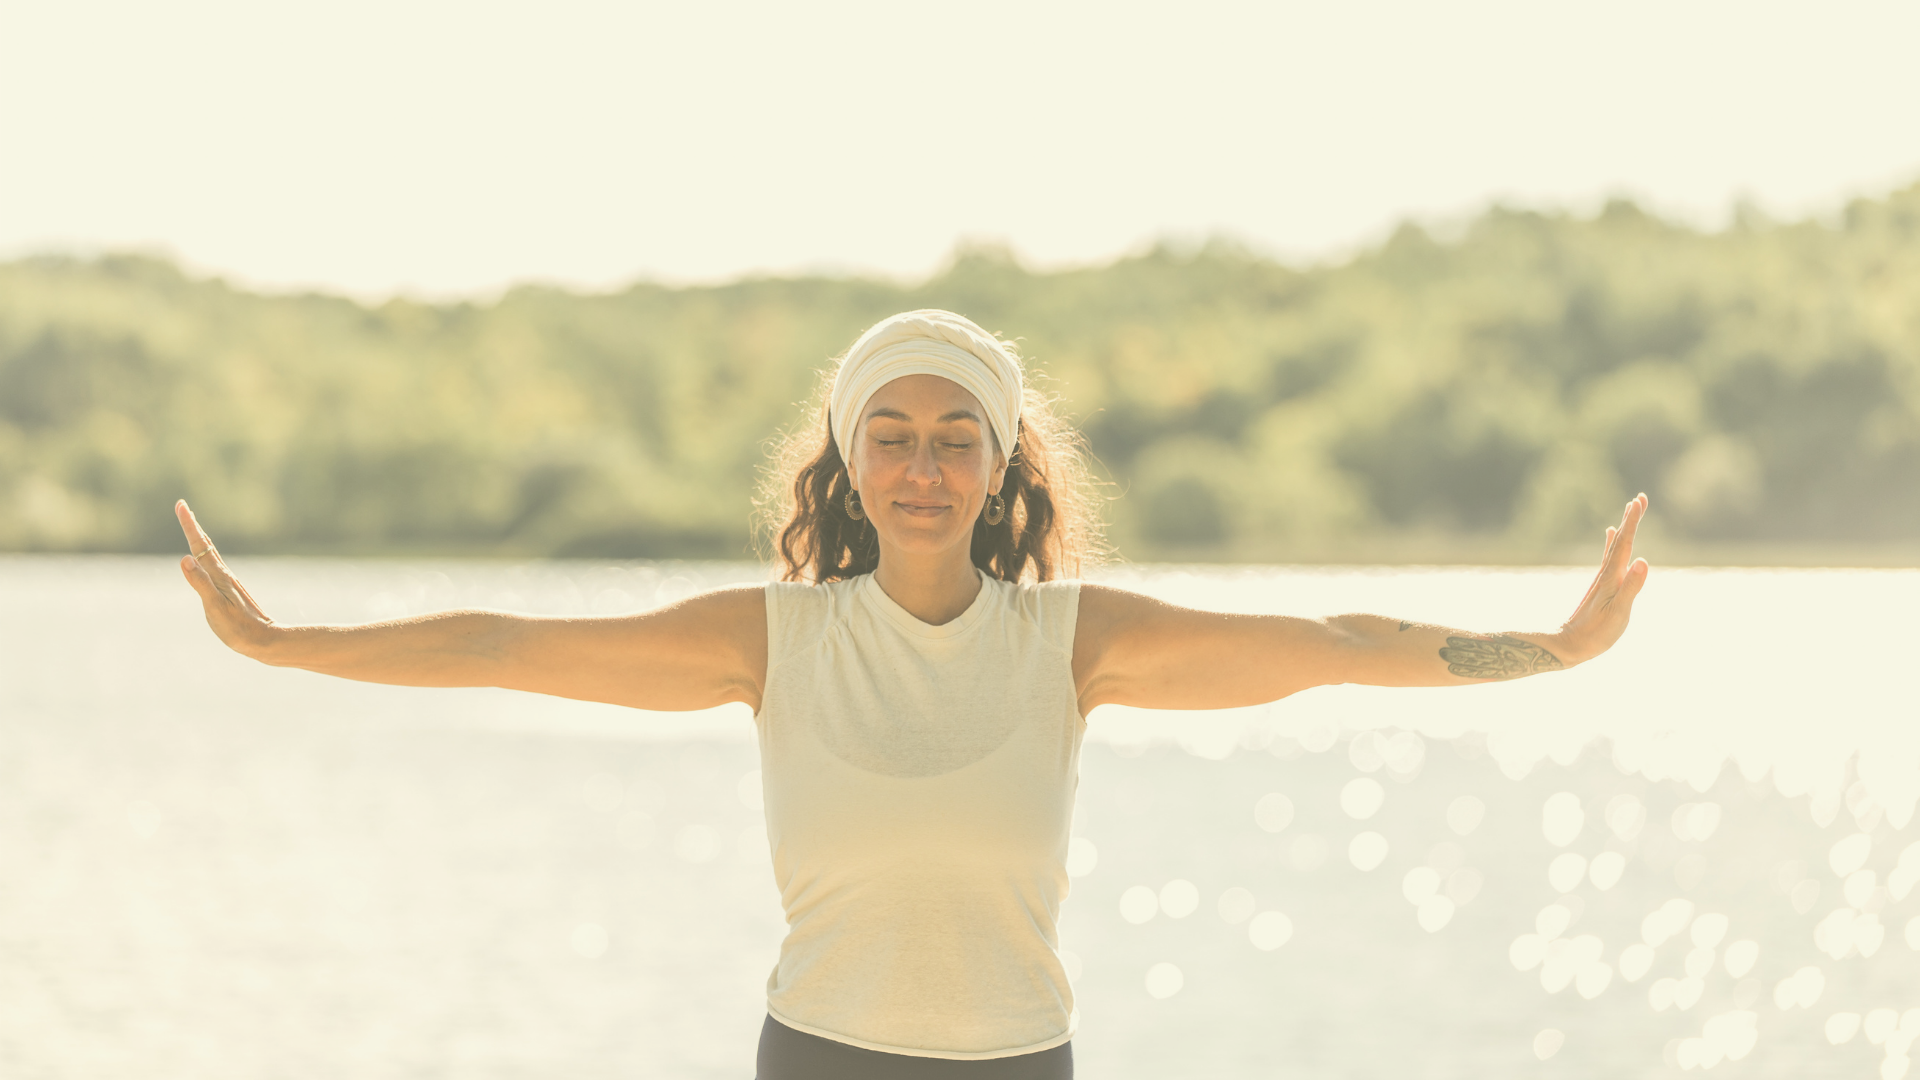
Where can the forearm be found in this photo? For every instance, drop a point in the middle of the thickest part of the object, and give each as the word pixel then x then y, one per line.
pixel 451 648
pixel 1380 651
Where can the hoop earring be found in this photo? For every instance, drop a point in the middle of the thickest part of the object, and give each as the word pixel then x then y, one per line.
pixel 854 509
pixel 996 509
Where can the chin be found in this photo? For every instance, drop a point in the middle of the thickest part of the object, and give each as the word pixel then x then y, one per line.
pixel 921 539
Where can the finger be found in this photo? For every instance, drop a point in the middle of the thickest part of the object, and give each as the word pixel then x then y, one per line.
pixel 1636 579
pixel 1629 527
pixel 198 542
pixel 197 577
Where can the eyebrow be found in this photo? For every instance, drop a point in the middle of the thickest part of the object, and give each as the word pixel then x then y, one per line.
pixel 896 414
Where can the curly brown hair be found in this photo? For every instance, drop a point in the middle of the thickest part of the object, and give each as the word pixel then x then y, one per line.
pixel 1051 529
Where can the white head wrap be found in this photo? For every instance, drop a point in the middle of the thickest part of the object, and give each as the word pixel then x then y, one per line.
pixel 927 342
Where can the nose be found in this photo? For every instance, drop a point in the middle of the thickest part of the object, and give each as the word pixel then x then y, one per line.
pixel 923 469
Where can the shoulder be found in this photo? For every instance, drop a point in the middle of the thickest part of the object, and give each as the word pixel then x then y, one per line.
pixel 797 613
pixel 803 597
pixel 1104 605
pixel 1051 606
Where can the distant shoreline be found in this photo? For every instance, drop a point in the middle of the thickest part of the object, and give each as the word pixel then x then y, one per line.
pixel 1356 554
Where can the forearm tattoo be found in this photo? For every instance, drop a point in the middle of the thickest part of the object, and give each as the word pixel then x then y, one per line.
pixel 1497 657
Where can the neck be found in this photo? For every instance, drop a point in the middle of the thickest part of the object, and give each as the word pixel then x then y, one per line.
pixel 934 587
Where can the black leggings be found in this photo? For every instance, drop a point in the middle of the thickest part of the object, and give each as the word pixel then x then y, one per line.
pixel 786 1054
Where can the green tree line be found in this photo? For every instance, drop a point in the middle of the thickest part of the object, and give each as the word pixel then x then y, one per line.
pixel 1504 386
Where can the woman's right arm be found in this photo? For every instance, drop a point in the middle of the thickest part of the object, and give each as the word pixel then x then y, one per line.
pixel 704 651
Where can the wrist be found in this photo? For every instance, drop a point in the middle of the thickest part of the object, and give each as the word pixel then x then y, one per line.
pixel 269 644
pixel 1564 648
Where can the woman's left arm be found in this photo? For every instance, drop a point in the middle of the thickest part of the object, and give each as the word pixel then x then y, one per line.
pixel 1133 650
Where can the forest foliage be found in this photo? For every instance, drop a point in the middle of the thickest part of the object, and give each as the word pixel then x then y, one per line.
pixel 1507 384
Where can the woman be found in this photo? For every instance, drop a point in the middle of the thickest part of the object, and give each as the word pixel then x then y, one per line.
pixel 919 681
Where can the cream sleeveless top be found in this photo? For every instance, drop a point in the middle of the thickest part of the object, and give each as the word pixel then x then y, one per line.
pixel 919 791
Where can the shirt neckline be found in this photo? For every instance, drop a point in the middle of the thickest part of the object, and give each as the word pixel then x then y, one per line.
pixel 910 623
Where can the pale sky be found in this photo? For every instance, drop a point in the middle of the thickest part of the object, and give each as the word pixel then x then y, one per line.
pixel 445 149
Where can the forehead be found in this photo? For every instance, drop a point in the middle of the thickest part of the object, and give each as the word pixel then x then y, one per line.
pixel 924 397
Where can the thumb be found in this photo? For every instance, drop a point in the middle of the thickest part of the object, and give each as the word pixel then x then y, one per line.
pixel 197 577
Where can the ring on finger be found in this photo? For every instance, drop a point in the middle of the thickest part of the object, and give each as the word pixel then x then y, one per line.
pixel 203 551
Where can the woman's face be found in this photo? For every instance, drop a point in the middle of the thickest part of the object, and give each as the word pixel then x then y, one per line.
pixel 924 463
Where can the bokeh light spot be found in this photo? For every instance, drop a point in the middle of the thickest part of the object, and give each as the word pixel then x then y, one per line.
pixel 143 819
pixel 1552 921
pixel 1269 930
pixel 1367 851
pixel 1082 857
pixel 1307 853
pixel 1548 1043
pixel 1463 885
pixel 1071 963
pixel 1465 814
pixel 1741 956
pixel 1561 819
pixel 1179 898
pixel 1236 905
pixel 1435 912
pixel 1696 821
pixel 1139 904
pixel 1708 930
pixel 590 941
pixel 1420 883
pixel 1361 797
pixel 1842 1027
pixel 1367 751
pixel 1606 868
pixel 1566 871
pixel 1274 812
pixel 1527 951
pixel 1164 981
pixel 1850 854
pixel 696 844
pixel 1635 960
pixel 749 791
pixel 1626 816
pixel 1859 887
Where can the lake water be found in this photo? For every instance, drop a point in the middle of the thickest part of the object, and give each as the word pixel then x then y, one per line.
pixel 1694 853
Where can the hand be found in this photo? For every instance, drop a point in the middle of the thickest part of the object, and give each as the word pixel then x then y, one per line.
pixel 1602 615
pixel 231 611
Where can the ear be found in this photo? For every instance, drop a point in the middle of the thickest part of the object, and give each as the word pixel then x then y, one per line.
pixel 998 477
